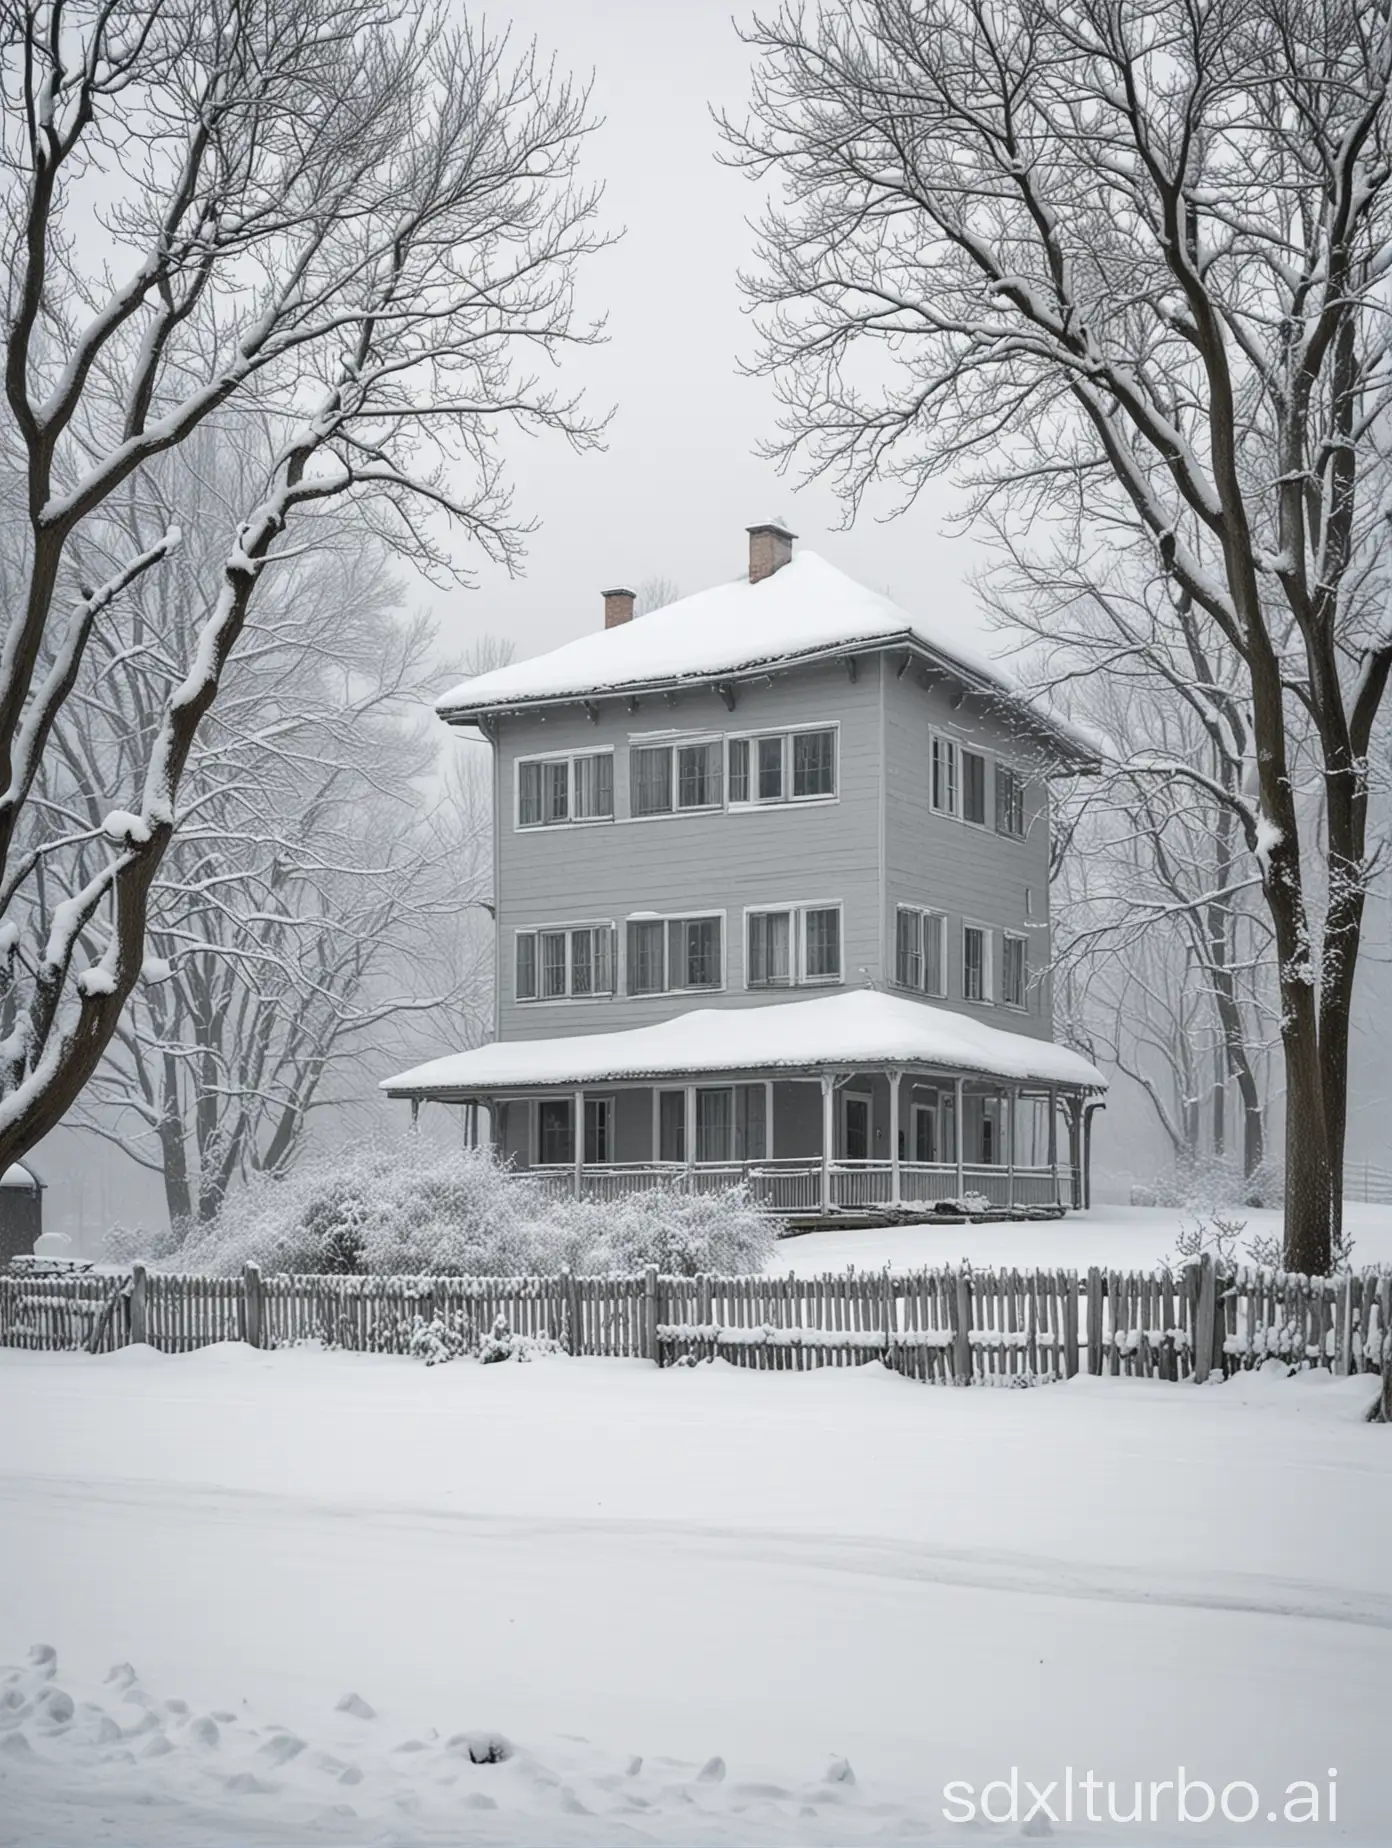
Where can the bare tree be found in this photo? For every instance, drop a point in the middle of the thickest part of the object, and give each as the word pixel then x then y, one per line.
pixel 345 221
pixel 312 904
pixel 1123 266
pixel 655 593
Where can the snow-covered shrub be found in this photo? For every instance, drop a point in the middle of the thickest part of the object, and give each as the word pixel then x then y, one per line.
pixel 1211 1183
pixel 407 1207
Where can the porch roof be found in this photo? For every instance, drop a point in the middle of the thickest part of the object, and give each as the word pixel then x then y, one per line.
pixel 832 1032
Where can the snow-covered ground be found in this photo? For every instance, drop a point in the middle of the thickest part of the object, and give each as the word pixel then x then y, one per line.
pixel 703 1605
pixel 1116 1237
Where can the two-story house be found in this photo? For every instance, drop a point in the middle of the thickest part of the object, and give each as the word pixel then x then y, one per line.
pixel 772 900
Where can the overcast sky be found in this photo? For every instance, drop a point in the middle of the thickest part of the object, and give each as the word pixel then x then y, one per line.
pixel 679 480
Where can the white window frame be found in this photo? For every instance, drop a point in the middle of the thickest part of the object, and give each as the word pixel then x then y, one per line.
pixel 926 914
pixel 1009 834
pixel 665 919
pixel 859 1097
pixel 568 929
pixel 1016 936
pixel 987 997
pixel 941 740
pixel 796 911
pixel 988 788
pixel 785 734
pixel 569 758
pixel 537 1099
pixel 673 743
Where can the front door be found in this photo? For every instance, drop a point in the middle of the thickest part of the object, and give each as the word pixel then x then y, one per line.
pixel 855 1126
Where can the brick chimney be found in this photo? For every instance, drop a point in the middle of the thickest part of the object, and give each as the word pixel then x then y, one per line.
pixel 618 607
pixel 770 548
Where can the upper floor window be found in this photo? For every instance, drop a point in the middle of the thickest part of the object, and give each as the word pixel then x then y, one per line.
pixel 973 787
pixel 919 959
pixel 565 962
pixel 1014 970
pixel 664 777
pixel 976 963
pixel 795 766
pixel 551 790
pixel 1010 801
pixel 798 944
pixel 674 953
pixel 943 774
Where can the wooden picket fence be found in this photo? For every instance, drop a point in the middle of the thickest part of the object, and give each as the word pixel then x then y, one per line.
pixel 948 1326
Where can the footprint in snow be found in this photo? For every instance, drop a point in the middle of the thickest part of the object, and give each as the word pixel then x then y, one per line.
pixel 357 1706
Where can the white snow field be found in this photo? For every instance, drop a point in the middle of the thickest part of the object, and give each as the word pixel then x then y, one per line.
pixel 1114 1237
pixel 704 1605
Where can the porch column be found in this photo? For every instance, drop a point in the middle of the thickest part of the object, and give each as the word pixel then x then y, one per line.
pixel 415 1112
pixel 828 1135
pixel 579 1149
pixel 768 1119
pixel 961 1129
pixel 1090 1109
pixel 1053 1141
pixel 1012 1119
pixel 690 1134
pixel 1075 1147
pixel 896 1192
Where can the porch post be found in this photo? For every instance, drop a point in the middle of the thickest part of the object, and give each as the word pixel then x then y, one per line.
pixel 1053 1141
pixel 415 1112
pixel 828 1135
pixel 961 1129
pixel 579 1149
pixel 896 1193
pixel 1075 1147
pixel 1012 1117
pixel 768 1119
pixel 690 1134
pixel 1090 1109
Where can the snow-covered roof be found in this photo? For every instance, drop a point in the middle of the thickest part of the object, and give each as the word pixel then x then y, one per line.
pixel 862 1027
pixel 18 1176
pixel 805 610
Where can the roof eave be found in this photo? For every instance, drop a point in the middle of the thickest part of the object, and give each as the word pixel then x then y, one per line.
pixel 1081 762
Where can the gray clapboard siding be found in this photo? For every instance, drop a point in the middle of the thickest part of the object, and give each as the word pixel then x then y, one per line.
pixel 941 863
pixel 879 845
pixel 815 853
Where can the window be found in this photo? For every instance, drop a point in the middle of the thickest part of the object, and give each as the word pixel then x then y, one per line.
pixel 822 944
pixel 770 963
pixel 526 966
pixel 974 788
pixel 918 958
pixel 555 964
pixel 1014 971
pixel 731 1122
pixel 791 767
pixel 693 951
pixel 650 777
pixel 599 1121
pixel 976 963
pixel 555 1137
pixel 674 953
pixel 770 769
pixel 814 764
pixel 739 770
pixel 592 961
pixel 698 776
pixel 645 961
pixel 593 788
pixel 943 793
pixel 671 1126
pixel 799 944
pixel 551 790
pixel 1010 801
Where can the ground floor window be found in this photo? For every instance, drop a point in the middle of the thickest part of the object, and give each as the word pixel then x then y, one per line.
pixel 983 1128
pixel 556 1131
pixel 855 1126
pixel 731 1123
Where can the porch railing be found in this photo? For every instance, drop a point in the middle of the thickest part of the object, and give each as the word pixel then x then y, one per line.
pixel 793 1185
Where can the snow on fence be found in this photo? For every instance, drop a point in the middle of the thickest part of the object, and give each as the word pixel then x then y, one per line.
pixel 944 1326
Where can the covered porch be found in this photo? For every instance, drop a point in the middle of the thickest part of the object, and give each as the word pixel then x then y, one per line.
pixel 853 1106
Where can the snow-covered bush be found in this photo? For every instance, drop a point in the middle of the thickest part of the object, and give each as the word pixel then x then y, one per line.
pixel 407 1207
